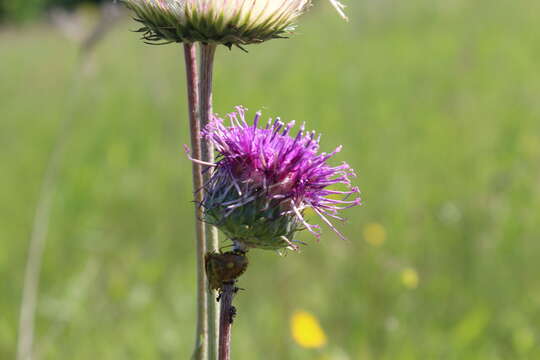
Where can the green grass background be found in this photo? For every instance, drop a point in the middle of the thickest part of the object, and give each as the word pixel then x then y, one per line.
pixel 437 106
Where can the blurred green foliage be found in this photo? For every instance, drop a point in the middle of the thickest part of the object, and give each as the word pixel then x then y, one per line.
pixel 436 104
pixel 21 10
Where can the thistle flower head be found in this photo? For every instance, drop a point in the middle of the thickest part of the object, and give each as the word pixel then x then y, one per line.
pixel 228 22
pixel 265 181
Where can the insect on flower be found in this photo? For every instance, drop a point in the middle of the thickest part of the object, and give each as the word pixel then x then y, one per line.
pixel 224 267
pixel 265 180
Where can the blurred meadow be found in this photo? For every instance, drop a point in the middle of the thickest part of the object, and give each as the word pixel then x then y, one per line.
pixel 437 105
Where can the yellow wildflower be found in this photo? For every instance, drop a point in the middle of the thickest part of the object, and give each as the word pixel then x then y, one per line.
pixel 375 234
pixel 306 330
pixel 409 278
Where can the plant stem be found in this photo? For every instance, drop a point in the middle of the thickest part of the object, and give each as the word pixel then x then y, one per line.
pixel 192 78
pixel 226 319
pixel 42 214
pixel 38 238
pixel 205 111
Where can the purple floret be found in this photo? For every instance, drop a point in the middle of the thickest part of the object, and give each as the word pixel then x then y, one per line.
pixel 286 169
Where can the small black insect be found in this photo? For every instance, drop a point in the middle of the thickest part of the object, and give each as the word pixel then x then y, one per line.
pixel 232 314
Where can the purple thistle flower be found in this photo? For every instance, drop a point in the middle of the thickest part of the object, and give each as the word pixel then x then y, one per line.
pixel 265 179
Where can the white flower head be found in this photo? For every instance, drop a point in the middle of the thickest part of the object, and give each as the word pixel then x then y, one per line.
pixel 228 22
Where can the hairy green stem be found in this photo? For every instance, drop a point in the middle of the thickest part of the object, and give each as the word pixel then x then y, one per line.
pixel 192 78
pixel 205 112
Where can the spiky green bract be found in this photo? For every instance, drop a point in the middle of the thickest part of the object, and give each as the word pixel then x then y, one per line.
pixel 227 22
pixel 260 223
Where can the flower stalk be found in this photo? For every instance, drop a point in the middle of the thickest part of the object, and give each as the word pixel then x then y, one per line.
pixel 192 78
pixel 207 54
pixel 228 311
pixel 223 270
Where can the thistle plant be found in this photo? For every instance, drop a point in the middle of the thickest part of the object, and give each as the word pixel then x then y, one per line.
pixel 262 185
pixel 266 179
pixel 236 23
